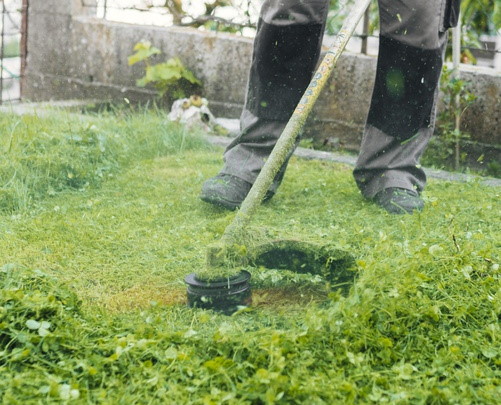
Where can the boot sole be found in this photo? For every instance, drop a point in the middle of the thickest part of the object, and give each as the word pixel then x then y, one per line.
pixel 219 202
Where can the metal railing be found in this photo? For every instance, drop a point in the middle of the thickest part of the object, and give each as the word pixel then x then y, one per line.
pixel 13 35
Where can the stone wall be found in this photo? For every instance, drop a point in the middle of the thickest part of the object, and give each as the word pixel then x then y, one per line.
pixel 72 54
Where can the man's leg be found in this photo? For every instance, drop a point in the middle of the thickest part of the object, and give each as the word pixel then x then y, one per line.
pixel 401 117
pixel 286 50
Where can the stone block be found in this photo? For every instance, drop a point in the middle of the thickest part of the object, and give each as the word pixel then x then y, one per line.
pixel 65 7
pixel 49 52
pixel 483 118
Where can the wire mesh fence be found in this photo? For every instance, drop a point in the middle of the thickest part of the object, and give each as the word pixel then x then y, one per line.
pixel 13 29
pixel 480 23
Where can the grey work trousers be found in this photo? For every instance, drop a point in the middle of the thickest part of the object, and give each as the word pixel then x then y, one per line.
pixel 401 116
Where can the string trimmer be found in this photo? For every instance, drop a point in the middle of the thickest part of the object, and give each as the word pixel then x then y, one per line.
pixel 223 285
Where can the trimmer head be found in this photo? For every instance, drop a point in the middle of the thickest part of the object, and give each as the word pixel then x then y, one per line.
pixel 225 295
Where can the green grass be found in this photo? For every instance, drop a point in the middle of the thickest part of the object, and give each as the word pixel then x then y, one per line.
pixel 101 256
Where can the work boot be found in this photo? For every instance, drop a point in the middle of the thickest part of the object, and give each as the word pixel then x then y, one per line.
pixel 399 200
pixel 227 191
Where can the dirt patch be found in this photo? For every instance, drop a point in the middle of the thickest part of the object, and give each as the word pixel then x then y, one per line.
pixel 141 297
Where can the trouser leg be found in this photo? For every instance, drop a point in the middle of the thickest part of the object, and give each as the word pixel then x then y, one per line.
pixel 401 116
pixel 286 50
pixel 402 112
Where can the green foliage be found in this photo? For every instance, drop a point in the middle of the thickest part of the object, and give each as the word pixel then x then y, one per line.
pixel 481 17
pixel 444 148
pixel 144 51
pixel 170 78
pixel 496 18
pixel 222 26
pixel 104 320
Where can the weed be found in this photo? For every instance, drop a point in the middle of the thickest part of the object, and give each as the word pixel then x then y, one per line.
pixel 170 78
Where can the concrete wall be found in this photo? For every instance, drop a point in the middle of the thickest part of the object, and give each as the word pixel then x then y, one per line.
pixel 79 56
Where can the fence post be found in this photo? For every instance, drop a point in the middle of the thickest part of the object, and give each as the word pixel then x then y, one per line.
pixel 48 42
pixel 365 33
pixel 2 35
pixel 456 60
pixel 23 46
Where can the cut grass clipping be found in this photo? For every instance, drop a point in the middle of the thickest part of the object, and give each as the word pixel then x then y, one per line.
pixel 101 221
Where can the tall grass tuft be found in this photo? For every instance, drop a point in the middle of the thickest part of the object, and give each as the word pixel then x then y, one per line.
pixel 43 155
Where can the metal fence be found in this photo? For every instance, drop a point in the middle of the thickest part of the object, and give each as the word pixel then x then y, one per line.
pixel 480 32
pixel 13 36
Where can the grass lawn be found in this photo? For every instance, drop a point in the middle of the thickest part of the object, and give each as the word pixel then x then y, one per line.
pixel 100 221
